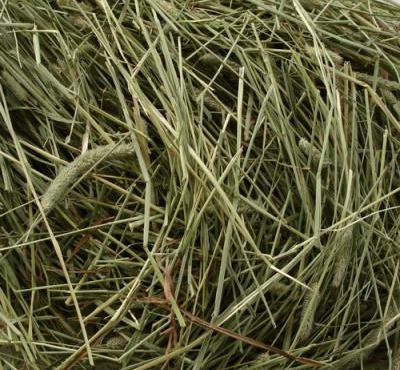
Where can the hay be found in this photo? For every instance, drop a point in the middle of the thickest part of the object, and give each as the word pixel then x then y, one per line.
pixel 222 178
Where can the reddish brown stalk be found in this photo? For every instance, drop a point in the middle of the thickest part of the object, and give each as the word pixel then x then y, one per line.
pixel 164 303
pixel 169 296
pixel 250 341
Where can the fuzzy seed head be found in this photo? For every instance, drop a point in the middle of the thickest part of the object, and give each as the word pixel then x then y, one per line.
pixel 335 57
pixel 310 304
pixel 382 82
pixel 209 101
pixel 71 172
pixel 79 21
pixel 115 342
pixel 312 152
pixel 211 59
pixel 343 257
pixel 168 7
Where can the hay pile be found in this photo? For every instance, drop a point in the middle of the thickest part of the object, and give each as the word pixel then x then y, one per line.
pixel 185 184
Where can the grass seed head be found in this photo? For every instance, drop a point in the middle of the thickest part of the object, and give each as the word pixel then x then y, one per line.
pixel 71 172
